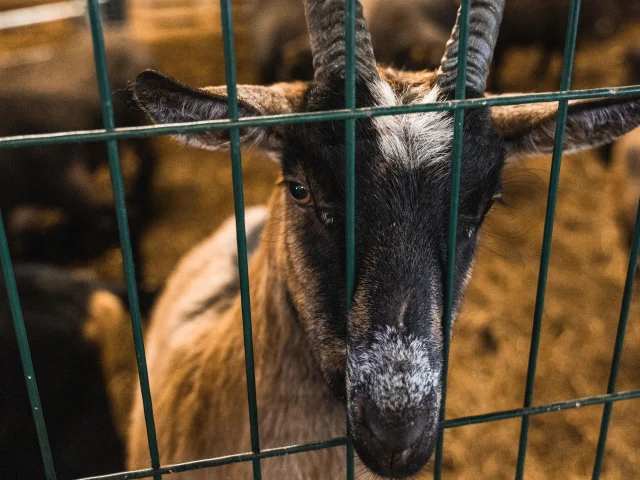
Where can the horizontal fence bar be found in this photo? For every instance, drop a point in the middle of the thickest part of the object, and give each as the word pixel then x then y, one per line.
pixel 285 119
pixel 338 442
pixel 226 460
pixel 539 409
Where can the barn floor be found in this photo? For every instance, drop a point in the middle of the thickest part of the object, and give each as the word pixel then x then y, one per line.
pixel 491 339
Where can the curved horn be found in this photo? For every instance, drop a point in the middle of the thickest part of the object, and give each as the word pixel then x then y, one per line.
pixel 484 22
pixel 326 20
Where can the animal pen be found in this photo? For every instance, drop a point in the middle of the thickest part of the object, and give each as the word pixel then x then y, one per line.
pixel 110 135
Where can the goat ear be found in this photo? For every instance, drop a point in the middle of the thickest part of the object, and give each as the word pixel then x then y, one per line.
pixel 166 100
pixel 530 129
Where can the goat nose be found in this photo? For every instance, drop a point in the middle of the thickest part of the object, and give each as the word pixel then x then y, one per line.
pixel 395 436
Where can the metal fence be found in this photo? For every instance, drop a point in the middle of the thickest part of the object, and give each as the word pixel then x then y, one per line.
pixel 349 114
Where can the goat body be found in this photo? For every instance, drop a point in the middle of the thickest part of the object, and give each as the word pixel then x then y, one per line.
pixel 282 48
pixel 543 24
pixel 201 301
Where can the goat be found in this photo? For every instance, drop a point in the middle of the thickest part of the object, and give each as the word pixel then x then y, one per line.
pixel 67 315
pixel 60 176
pixel 383 372
pixel 419 44
pixel 543 24
pixel 282 49
pixel 283 52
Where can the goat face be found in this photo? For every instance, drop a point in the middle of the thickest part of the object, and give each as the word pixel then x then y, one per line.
pixel 384 356
pixel 394 335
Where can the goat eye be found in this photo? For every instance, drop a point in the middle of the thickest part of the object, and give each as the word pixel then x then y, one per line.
pixel 300 193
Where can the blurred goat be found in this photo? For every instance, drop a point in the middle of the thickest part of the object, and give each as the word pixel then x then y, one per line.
pixel 385 370
pixel 411 34
pixel 69 317
pixel 60 94
pixel 543 24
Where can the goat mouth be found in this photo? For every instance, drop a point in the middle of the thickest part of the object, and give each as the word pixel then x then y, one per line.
pixel 398 465
pixel 389 462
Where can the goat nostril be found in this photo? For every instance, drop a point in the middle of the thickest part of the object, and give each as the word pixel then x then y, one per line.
pixel 396 436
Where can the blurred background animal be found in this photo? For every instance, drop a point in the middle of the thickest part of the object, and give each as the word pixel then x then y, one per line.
pixel 405 33
pixel 82 349
pixel 60 94
pixel 543 24
pixel 411 34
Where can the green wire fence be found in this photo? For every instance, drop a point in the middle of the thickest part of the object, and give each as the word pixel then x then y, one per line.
pixel 565 84
pixel 110 135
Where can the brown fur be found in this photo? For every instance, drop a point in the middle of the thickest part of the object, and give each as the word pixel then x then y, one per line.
pixel 197 377
pixel 108 326
pixel 401 80
pixel 512 120
pixel 274 99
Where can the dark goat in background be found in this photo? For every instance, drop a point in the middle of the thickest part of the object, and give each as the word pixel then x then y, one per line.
pixel 60 94
pixel 64 315
pixel 405 33
pixel 543 24
pixel 411 33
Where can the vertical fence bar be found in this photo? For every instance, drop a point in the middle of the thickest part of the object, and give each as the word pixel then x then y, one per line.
pixel 241 236
pixel 617 351
pixel 99 56
pixel 25 353
pixel 350 174
pixel 458 126
pixel 561 121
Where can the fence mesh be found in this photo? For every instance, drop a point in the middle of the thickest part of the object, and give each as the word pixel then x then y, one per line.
pixel 110 135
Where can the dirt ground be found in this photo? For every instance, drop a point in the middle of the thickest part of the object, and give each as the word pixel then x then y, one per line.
pixel 492 335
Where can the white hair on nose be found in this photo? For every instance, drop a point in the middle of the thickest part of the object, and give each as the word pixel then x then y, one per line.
pixel 412 139
pixel 394 371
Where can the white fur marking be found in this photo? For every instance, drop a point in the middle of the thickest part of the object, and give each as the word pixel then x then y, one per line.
pixel 416 138
pixel 394 372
